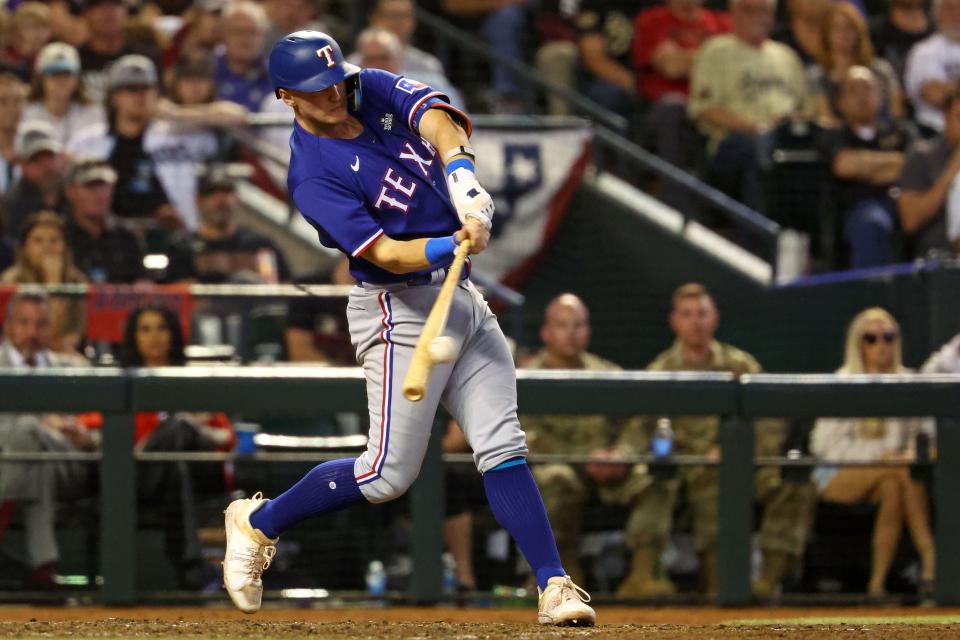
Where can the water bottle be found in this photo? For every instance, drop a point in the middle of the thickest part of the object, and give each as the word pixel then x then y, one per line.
pixel 376 579
pixel 661 445
pixel 449 575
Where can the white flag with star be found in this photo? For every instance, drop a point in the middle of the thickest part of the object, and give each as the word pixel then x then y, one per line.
pixel 532 174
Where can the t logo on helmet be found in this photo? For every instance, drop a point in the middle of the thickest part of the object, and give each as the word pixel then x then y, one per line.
pixel 326 52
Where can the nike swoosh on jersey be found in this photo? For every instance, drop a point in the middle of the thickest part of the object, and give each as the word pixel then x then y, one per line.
pixel 356 163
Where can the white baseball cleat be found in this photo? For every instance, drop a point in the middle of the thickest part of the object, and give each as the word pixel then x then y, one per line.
pixel 564 604
pixel 248 555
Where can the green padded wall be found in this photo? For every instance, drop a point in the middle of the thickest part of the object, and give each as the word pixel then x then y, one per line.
pixel 625 269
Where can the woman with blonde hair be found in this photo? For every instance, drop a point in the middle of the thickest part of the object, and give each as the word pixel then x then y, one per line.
pixel 844 43
pixel 874 347
pixel 43 257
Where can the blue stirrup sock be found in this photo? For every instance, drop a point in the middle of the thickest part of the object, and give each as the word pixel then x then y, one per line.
pixel 516 504
pixel 327 487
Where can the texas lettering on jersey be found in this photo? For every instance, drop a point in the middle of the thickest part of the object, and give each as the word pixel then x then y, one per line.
pixel 397 193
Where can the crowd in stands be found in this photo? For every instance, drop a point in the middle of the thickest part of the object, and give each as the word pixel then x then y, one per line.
pixel 717 88
pixel 150 87
pixel 113 150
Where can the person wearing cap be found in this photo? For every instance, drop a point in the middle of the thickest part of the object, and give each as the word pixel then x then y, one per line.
pixel 241 73
pixel 106 22
pixel 131 106
pixel 57 95
pixel 155 160
pixel 104 248
pixel 220 249
pixel 40 159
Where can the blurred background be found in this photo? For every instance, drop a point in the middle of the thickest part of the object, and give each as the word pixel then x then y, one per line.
pixel 680 186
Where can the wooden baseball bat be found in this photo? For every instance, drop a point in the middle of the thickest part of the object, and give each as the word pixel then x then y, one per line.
pixel 415 383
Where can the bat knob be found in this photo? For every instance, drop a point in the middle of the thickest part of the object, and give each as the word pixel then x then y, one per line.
pixel 413 392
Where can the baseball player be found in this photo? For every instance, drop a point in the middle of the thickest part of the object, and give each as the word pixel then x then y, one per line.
pixel 381 167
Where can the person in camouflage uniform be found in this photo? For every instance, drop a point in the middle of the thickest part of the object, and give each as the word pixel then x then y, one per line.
pixel 565 487
pixel 788 506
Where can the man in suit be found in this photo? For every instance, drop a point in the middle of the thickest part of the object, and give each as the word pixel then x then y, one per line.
pixel 32 489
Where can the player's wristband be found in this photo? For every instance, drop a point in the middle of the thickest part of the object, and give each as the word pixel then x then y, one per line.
pixel 439 250
pixel 461 163
pixel 459 151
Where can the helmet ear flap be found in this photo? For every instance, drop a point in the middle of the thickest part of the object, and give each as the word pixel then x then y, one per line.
pixel 354 92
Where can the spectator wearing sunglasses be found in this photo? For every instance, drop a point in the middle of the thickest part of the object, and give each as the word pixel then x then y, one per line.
pixel 874 347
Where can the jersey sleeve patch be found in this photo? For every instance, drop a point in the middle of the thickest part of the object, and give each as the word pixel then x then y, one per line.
pixel 410 86
pixel 409 98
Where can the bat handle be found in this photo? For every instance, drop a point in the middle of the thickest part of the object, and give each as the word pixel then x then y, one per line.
pixel 418 374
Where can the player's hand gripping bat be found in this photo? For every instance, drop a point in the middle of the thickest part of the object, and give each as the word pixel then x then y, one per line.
pixel 424 357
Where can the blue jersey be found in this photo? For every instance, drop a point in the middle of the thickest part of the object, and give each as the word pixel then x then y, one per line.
pixel 388 180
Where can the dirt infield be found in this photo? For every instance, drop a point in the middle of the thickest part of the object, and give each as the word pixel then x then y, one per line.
pixel 472 624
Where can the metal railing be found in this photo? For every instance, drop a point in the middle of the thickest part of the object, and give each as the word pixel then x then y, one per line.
pixel 512 300
pixel 461 39
pixel 119 394
pixel 743 217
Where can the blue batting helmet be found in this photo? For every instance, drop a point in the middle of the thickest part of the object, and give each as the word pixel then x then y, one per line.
pixel 308 61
